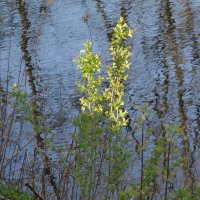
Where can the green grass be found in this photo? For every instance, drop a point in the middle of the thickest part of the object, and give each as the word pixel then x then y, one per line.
pixel 13 193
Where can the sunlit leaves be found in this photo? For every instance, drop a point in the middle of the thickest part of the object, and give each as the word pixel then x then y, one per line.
pixel 102 115
pixel 120 53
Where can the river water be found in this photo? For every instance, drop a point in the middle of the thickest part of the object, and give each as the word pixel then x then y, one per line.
pixel 40 38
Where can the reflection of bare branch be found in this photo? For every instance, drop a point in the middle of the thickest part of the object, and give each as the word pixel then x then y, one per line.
pixel 7 118
pixel 173 50
pixel 107 24
pixel 33 190
pixel 47 171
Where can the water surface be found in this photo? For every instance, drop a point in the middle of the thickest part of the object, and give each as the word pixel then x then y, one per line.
pixel 39 39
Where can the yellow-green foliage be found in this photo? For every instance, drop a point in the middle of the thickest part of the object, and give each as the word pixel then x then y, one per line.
pixel 101 153
pixel 120 54
pixel 89 64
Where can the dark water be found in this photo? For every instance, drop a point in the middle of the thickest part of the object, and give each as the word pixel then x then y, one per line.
pixel 39 39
